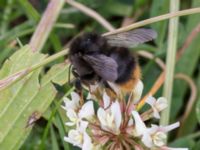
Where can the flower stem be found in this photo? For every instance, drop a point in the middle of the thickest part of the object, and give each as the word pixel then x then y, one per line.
pixel 170 61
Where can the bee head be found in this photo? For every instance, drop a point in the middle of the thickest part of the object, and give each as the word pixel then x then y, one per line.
pixel 88 43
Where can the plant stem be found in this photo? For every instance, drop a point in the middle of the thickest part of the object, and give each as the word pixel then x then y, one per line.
pixel 46 24
pixel 170 61
pixel 50 59
pixel 154 19
pixel 10 80
pixel 92 14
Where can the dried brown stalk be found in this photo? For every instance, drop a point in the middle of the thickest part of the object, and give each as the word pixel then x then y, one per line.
pixel 46 24
pixel 91 13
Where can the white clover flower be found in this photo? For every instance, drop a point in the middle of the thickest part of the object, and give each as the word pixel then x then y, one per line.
pixel 140 127
pixel 73 117
pixel 109 128
pixel 156 135
pixel 157 105
pixel 86 112
pixel 111 118
pixel 106 100
pixel 73 104
pixel 75 112
pixel 79 137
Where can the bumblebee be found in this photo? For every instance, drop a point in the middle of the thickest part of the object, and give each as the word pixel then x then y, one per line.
pixel 107 59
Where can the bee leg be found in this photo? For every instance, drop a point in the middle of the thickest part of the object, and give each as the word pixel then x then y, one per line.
pixel 78 85
pixel 79 90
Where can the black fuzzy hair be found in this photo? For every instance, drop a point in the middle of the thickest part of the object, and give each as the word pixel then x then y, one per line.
pixel 88 43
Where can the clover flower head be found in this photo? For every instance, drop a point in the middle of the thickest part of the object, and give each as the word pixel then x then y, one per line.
pixel 116 123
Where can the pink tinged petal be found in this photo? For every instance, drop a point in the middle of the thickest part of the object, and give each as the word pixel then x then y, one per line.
pixel 151 101
pixel 147 140
pixel 131 108
pixel 138 147
pixel 101 114
pixel 130 122
pixel 93 87
pixel 157 105
pixel 154 128
pixel 82 127
pixel 106 100
pixel 87 144
pixel 156 114
pixel 161 103
pixel 137 91
pixel 115 87
pixel 170 127
pixel 116 111
pixel 87 110
pixel 103 139
pixel 140 127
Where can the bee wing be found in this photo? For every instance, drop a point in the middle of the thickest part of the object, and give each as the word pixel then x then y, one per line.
pixel 131 38
pixel 104 66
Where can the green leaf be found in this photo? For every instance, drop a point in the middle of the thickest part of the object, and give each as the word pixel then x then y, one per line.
pixel 197 145
pixel 117 8
pixel 58 74
pixel 184 142
pixel 25 101
pixel 159 7
pixel 31 12
pixel 55 145
pixel 198 98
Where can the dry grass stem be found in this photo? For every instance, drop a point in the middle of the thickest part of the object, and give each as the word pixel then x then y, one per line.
pixel 46 24
pixel 148 55
pixel 153 20
pixel 192 97
pixel 91 13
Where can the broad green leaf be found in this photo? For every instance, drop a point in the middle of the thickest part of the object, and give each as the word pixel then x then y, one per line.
pixel 57 74
pixel 26 100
